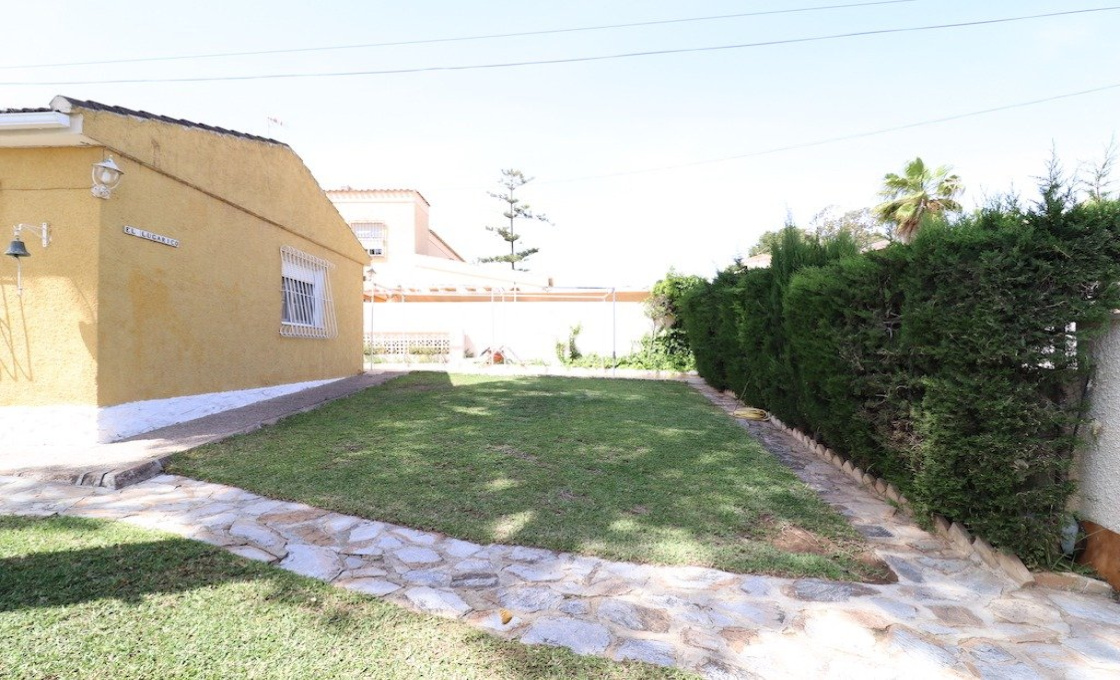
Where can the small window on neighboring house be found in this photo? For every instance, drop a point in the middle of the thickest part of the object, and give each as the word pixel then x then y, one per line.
pixel 307 310
pixel 371 235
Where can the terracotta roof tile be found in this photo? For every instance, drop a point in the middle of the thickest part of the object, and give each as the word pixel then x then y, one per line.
pixel 352 190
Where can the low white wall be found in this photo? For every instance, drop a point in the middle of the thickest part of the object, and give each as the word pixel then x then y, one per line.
pixel 1098 469
pixel 84 425
pixel 530 329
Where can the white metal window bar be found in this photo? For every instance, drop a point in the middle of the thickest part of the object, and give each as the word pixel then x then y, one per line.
pixel 307 308
pixel 371 235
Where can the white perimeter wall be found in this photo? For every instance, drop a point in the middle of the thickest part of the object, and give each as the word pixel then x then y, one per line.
pixel 530 329
pixel 1099 465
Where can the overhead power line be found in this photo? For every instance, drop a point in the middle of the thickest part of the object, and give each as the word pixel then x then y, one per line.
pixel 842 138
pixel 433 41
pixel 565 60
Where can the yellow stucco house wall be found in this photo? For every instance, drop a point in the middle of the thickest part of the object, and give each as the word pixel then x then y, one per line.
pixel 248 285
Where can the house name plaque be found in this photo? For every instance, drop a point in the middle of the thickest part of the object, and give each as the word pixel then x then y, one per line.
pixel 150 236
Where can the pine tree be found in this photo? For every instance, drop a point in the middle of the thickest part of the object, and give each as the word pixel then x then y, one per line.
pixel 515 210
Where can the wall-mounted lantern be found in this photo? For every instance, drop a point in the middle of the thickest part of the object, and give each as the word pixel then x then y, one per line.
pixel 18 249
pixel 106 177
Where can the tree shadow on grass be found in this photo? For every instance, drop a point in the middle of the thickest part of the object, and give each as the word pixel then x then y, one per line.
pixel 85 569
pixel 125 571
pixel 648 474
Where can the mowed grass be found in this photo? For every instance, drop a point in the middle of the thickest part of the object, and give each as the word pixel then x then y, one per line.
pixel 93 599
pixel 623 469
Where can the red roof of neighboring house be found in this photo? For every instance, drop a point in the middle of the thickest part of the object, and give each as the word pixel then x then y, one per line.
pixel 351 190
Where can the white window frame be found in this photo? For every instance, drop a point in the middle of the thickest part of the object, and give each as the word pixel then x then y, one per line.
pixel 368 242
pixel 306 304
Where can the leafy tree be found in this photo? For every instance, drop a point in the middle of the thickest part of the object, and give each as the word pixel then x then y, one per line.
pixel 766 243
pixel 667 347
pixel 828 224
pixel 861 225
pixel 771 240
pixel 917 196
pixel 663 304
pixel 515 210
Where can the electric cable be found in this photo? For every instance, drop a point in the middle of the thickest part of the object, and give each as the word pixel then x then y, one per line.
pixel 842 138
pixel 563 60
pixel 432 41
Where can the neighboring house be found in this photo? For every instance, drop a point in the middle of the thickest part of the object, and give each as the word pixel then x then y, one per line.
pixel 404 252
pixel 216 274
pixel 423 297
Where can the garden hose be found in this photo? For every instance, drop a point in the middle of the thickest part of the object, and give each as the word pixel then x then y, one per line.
pixel 752 413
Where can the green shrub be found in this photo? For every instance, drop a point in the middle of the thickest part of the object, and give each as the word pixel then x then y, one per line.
pixel 843 325
pixel 998 313
pixel 667 348
pixel 709 320
pixel 651 356
pixel 735 327
pixel 954 367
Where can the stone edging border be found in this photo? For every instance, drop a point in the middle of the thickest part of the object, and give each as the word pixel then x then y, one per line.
pixel 974 546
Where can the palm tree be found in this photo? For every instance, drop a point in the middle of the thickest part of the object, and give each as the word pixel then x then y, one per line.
pixel 916 196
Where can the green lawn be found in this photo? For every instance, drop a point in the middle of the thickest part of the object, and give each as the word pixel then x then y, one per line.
pixel 624 469
pixel 94 599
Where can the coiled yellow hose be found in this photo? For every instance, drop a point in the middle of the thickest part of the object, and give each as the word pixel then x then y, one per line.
pixel 752 413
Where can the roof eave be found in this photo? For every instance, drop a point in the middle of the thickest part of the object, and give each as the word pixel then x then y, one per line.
pixel 71 106
pixel 42 128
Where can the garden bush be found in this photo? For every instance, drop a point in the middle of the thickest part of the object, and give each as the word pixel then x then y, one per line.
pixel 850 368
pixel 955 366
pixel 666 348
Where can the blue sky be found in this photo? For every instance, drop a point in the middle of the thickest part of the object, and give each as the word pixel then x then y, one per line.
pixel 586 131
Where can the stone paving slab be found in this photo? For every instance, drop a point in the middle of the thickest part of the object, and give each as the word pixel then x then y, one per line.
pixel 947 616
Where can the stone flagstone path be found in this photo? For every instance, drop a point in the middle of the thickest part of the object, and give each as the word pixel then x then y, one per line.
pixel 946 617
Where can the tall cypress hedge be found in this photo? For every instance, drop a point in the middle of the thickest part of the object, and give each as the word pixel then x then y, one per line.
pixel 852 371
pixel 954 366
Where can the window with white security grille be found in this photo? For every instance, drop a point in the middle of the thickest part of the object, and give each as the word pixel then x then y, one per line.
pixel 371 235
pixel 307 310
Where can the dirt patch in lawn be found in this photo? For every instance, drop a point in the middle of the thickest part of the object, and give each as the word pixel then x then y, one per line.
pixel 516 453
pixel 878 570
pixel 569 496
pixel 797 540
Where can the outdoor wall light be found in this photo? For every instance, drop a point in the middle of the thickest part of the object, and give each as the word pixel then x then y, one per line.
pixel 106 177
pixel 18 248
